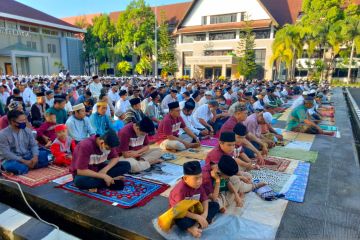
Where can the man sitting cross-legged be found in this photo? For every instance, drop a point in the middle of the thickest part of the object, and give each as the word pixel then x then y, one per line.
pixel 134 145
pixel 89 165
pixel 168 132
pixel 18 148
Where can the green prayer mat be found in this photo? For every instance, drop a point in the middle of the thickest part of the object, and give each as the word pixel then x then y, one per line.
pixel 297 154
pixel 276 180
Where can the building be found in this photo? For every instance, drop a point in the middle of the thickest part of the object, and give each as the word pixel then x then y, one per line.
pixel 33 42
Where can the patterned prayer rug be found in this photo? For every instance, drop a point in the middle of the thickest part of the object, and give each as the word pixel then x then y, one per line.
pixel 137 192
pixel 211 142
pixel 39 176
pixel 276 180
pixel 276 163
pixel 296 192
pixel 297 154
pixel 197 153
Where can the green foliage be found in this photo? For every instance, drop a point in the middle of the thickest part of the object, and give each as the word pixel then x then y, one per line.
pixel 104 67
pixel 59 65
pixel 143 66
pixel 167 53
pixel 135 30
pixel 247 66
pixel 123 67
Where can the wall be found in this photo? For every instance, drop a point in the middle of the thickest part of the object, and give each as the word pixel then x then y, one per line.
pixel 217 7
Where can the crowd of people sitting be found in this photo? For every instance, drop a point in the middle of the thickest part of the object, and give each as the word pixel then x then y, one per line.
pixel 102 128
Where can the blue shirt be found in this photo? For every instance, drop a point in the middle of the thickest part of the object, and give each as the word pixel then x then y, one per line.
pixel 101 123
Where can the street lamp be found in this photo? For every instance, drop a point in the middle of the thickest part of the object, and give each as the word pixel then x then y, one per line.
pixel 156 47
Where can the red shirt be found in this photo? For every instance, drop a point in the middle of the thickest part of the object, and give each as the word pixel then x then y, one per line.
pixel 169 126
pixel 4 123
pixel 183 192
pixel 87 155
pixel 229 125
pixel 213 157
pixel 129 140
pixel 47 129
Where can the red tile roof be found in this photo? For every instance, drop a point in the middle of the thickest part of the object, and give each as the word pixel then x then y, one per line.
pixel 15 8
pixel 284 11
pixel 88 18
pixel 224 26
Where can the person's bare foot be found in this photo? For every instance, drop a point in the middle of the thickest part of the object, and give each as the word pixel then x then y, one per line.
pixel 93 190
pixel 195 231
pixel 152 162
pixel 259 185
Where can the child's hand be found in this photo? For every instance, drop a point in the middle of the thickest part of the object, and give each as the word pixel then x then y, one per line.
pixel 214 174
pixel 202 221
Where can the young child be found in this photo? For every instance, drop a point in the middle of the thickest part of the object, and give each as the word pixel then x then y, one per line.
pixel 46 133
pixel 190 187
pixel 226 184
pixel 63 146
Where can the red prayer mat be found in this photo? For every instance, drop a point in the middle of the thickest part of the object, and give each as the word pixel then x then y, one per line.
pixel 211 142
pixel 39 176
pixel 276 163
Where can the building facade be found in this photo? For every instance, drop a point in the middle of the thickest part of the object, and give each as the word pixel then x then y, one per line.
pixel 34 43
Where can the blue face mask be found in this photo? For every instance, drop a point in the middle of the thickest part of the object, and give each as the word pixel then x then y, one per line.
pixel 21 125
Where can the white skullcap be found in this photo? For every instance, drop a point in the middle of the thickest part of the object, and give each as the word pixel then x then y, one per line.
pixel 267 117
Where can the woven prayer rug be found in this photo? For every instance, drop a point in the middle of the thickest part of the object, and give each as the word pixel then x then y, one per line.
pixel 276 180
pixel 276 163
pixel 136 192
pixel 39 176
pixel 297 154
pixel 296 192
pixel 211 142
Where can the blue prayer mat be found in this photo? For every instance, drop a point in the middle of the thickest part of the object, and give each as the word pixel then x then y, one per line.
pixel 297 190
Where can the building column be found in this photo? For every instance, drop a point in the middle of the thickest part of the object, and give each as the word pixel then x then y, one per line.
pixel 13 63
pixel 272 31
pixel 223 70
pixel 192 70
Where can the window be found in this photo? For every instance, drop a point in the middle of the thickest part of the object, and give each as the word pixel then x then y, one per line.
pixel 217 52
pixel 2 23
pixel 34 29
pixel 49 32
pixel 186 54
pixel 30 44
pixel 204 20
pixel 242 16
pixel 223 18
pixel 51 48
pixel 11 25
pixel 193 38
pixel 222 35
pixel 260 55
pixel 262 34
pixel 24 28
pixel 187 71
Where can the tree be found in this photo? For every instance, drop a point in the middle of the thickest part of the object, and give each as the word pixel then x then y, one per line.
pixel 124 67
pixel 351 32
pixel 143 66
pixel 81 22
pixel 247 66
pixel 59 65
pixel 167 54
pixel 104 67
pixel 89 48
pixel 135 29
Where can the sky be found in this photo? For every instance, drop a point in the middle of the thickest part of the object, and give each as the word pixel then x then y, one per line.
pixel 66 8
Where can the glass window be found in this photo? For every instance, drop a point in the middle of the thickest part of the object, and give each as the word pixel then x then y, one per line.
pixel 242 16
pixel 260 55
pixel 222 35
pixel 2 23
pixel 217 52
pixel 193 38
pixel 24 28
pixel 49 32
pixel 187 70
pixel 204 20
pixel 54 48
pixel 262 34
pixel 34 29
pixel 223 18
pixel 49 48
pixel 33 45
pixel 11 25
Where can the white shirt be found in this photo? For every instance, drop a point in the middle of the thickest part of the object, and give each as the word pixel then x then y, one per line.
pixel 203 112
pixel 3 97
pixel 68 107
pixel 49 102
pixel 121 106
pixel 114 97
pixel 95 89
pixel 191 123
pixel 167 99
pixel 203 101
pixel 28 96
pixel 227 96
pixel 257 105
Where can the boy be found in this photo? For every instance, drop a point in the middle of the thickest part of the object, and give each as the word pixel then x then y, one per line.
pixel 190 187
pixel 46 133
pixel 62 146
pixel 226 184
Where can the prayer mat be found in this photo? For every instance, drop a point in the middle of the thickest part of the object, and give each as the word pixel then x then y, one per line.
pixel 166 172
pixel 290 136
pixel 211 142
pixel 276 180
pixel 38 177
pixel 297 154
pixel 296 192
pixel 197 153
pixel 306 146
pixel 277 115
pixel 305 137
pixel 276 163
pixel 182 160
pixel 136 192
pixel 328 128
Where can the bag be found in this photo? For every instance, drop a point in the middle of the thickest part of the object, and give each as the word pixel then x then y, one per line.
pixel 267 193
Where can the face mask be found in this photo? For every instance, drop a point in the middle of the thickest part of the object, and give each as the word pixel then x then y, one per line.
pixel 21 125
